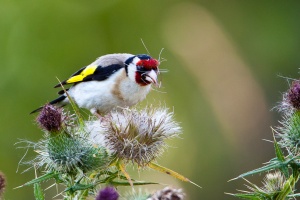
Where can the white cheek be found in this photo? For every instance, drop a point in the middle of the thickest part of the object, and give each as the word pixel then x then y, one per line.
pixel 132 68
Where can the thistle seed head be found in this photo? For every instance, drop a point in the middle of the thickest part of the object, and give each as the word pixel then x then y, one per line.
pixel 168 193
pixel 108 193
pixel 273 182
pixel 50 118
pixel 139 136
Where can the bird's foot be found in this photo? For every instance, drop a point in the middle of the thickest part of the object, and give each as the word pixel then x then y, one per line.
pixel 97 114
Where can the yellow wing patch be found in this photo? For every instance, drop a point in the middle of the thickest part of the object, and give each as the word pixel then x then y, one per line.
pixel 86 72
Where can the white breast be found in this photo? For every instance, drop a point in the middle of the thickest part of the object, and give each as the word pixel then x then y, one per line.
pixel 103 96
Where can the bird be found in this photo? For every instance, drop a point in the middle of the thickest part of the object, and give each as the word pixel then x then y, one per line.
pixel 112 81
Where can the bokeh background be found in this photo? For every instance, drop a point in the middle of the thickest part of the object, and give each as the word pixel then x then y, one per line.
pixel 224 60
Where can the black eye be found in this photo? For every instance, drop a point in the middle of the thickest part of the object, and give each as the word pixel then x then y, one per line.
pixel 141 69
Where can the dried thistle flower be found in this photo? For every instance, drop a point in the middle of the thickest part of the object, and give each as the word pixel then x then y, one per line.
pixel 168 193
pixel 139 136
pixel 50 118
pixel 2 183
pixel 108 193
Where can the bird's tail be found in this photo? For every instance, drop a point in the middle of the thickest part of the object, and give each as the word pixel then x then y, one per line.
pixel 55 101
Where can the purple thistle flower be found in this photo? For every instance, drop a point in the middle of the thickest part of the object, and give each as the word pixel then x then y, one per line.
pixel 293 95
pixel 50 118
pixel 108 193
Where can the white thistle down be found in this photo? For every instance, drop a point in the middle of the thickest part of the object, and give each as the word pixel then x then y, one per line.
pixel 133 135
pixel 273 182
pixel 168 193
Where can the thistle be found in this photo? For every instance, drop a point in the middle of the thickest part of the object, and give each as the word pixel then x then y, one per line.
pixel 50 118
pixel 290 99
pixel 168 193
pixel 139 136
pixel 108 193
pixel 289 132
pixel 67 153
pixel 286 164
pixel 84 154
pixel 274 185
pixel 273 182
pixel 293 95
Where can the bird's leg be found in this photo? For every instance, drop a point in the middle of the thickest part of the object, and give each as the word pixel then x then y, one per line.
pixel 95 112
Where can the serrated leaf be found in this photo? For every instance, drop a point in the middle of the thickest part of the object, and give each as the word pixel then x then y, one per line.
pixel 259 170
pixel 38 192
pixel 273 164
pixel 40 179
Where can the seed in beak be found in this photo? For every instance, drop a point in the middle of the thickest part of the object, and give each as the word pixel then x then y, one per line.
pixel 151 77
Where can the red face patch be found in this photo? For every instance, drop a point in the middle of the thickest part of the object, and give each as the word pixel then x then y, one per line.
pixel 148 64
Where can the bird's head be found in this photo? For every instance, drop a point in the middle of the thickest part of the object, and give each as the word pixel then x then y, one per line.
pixel 142 69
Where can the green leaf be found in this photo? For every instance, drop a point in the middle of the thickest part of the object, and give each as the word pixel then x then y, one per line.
pixel 280 157
pixel 287 188
pixel 246 196
pixel 38 192
pixel 79 186
pixel 259 170
pixel 115 183
pixel 40 179
pixel 278 151
pixel 293 195
pixel 74 106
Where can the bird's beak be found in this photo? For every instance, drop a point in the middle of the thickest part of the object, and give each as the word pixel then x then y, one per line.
pixel 151 77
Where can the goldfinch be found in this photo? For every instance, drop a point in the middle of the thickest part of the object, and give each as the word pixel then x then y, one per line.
pixel 113 80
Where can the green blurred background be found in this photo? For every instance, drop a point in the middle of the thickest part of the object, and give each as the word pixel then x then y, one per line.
pixel 223 57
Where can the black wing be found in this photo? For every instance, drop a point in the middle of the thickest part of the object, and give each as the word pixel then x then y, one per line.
pixel 90 73
pixel 65 81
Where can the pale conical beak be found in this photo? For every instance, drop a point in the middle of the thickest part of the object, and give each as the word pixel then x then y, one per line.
pixel 151 77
